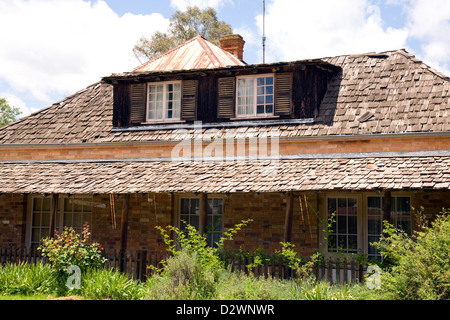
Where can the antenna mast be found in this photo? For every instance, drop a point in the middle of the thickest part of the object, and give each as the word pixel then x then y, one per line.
pixel 264 32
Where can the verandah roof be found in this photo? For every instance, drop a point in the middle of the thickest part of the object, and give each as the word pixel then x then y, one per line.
pixel 228 176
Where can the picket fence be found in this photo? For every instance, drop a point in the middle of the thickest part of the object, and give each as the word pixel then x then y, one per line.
pixel 137 265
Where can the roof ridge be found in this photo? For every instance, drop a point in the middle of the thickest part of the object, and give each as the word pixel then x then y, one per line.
pixel 166 53
pixel 416 60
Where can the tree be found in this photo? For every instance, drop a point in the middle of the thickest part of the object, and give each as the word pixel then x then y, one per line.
pixel 183 26
pixel 7 113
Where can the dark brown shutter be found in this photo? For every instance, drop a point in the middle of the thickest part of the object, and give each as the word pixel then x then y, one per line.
pixel 189 99
pixel 283 93
pixel 137 102
pixel 226 97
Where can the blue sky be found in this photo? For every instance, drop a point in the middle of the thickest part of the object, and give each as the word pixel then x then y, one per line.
pixel 53 48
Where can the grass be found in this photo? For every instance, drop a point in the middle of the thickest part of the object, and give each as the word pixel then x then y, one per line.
pixel 36 282
pixel 25 297
pixel 107 284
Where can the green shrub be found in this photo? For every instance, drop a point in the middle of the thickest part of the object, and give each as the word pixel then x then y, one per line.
pixel 193 270
pixel 26 279
pixel 420 266
pixel 69 248
pixel 185 276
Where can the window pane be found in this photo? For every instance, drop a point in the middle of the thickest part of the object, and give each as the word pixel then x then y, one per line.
pixel 194 221
pixel 352 243
pixel 46 204
pixel 403 206
pixel 260 91
pixel 269 108
pixel 260 100
pixel 352 225
pixel 269 80
pixel 342 206
pixel 331 206
pixel 342 224
pixel 45 222
pixel 371 249
pixel 374 226
pixel 36 219
pixel 260 109
pixel 352 207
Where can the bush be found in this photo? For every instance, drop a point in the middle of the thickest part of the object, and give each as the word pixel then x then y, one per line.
pixel 420 266
pixel 194 269
pixel 70 248
pixel 185 277
pixel 26 279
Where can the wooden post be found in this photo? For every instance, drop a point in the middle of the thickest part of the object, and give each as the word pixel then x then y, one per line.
pixel 289 217
pixel 124 229
pixel 203 212
pixel 387 206
pixel 53 210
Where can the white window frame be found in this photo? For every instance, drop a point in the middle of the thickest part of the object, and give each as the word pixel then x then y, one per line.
pixel 394 199
pixel 86 211
pixel 210 197
pixel 164 102
pixel 362 216
pixel 255 95
pixel 359 225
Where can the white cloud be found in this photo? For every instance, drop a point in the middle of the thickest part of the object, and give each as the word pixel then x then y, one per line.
pixel 312 29
pixel 55 47
pixel 429 23
pixel 202 4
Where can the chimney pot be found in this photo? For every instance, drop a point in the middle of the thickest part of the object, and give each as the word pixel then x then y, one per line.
pixel 234 44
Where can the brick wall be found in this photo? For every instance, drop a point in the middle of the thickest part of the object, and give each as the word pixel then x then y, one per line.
pixel 431 201
pixel 12 219
pixel 146 211
pixel 285 146
pixel 151 210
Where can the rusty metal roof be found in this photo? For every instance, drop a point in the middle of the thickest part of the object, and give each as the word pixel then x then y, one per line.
pixel 196 53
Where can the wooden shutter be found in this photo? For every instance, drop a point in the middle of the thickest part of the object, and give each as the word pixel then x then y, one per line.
pixel 189 99
pixel 137 102
pixel 283 93
pixel 226 97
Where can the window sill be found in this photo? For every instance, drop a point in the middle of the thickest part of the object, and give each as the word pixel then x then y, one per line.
pixel 163 122
pixel 255 118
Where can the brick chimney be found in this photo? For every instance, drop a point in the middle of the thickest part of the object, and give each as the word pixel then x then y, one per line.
pixel 233 43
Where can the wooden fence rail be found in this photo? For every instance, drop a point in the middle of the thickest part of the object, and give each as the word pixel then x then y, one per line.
pixel 137 265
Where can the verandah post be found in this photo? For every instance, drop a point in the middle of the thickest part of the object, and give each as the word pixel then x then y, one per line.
pixel 124 230
pixel 203 209
pixel 54 208
pixel 289 217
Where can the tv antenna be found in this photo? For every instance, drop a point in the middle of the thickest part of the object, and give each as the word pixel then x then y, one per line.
pixel 264 32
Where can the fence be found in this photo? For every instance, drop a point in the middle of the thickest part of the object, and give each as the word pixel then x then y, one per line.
pixel 136 264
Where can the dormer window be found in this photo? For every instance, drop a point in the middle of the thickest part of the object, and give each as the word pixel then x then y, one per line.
pixel 255 96
pixel 164 101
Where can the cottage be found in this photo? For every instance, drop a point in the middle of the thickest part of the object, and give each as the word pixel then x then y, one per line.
pixel 198 135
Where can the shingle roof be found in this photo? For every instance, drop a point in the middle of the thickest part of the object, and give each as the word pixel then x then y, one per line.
pixel 221 177
pixel 196 53
pixel 384 93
